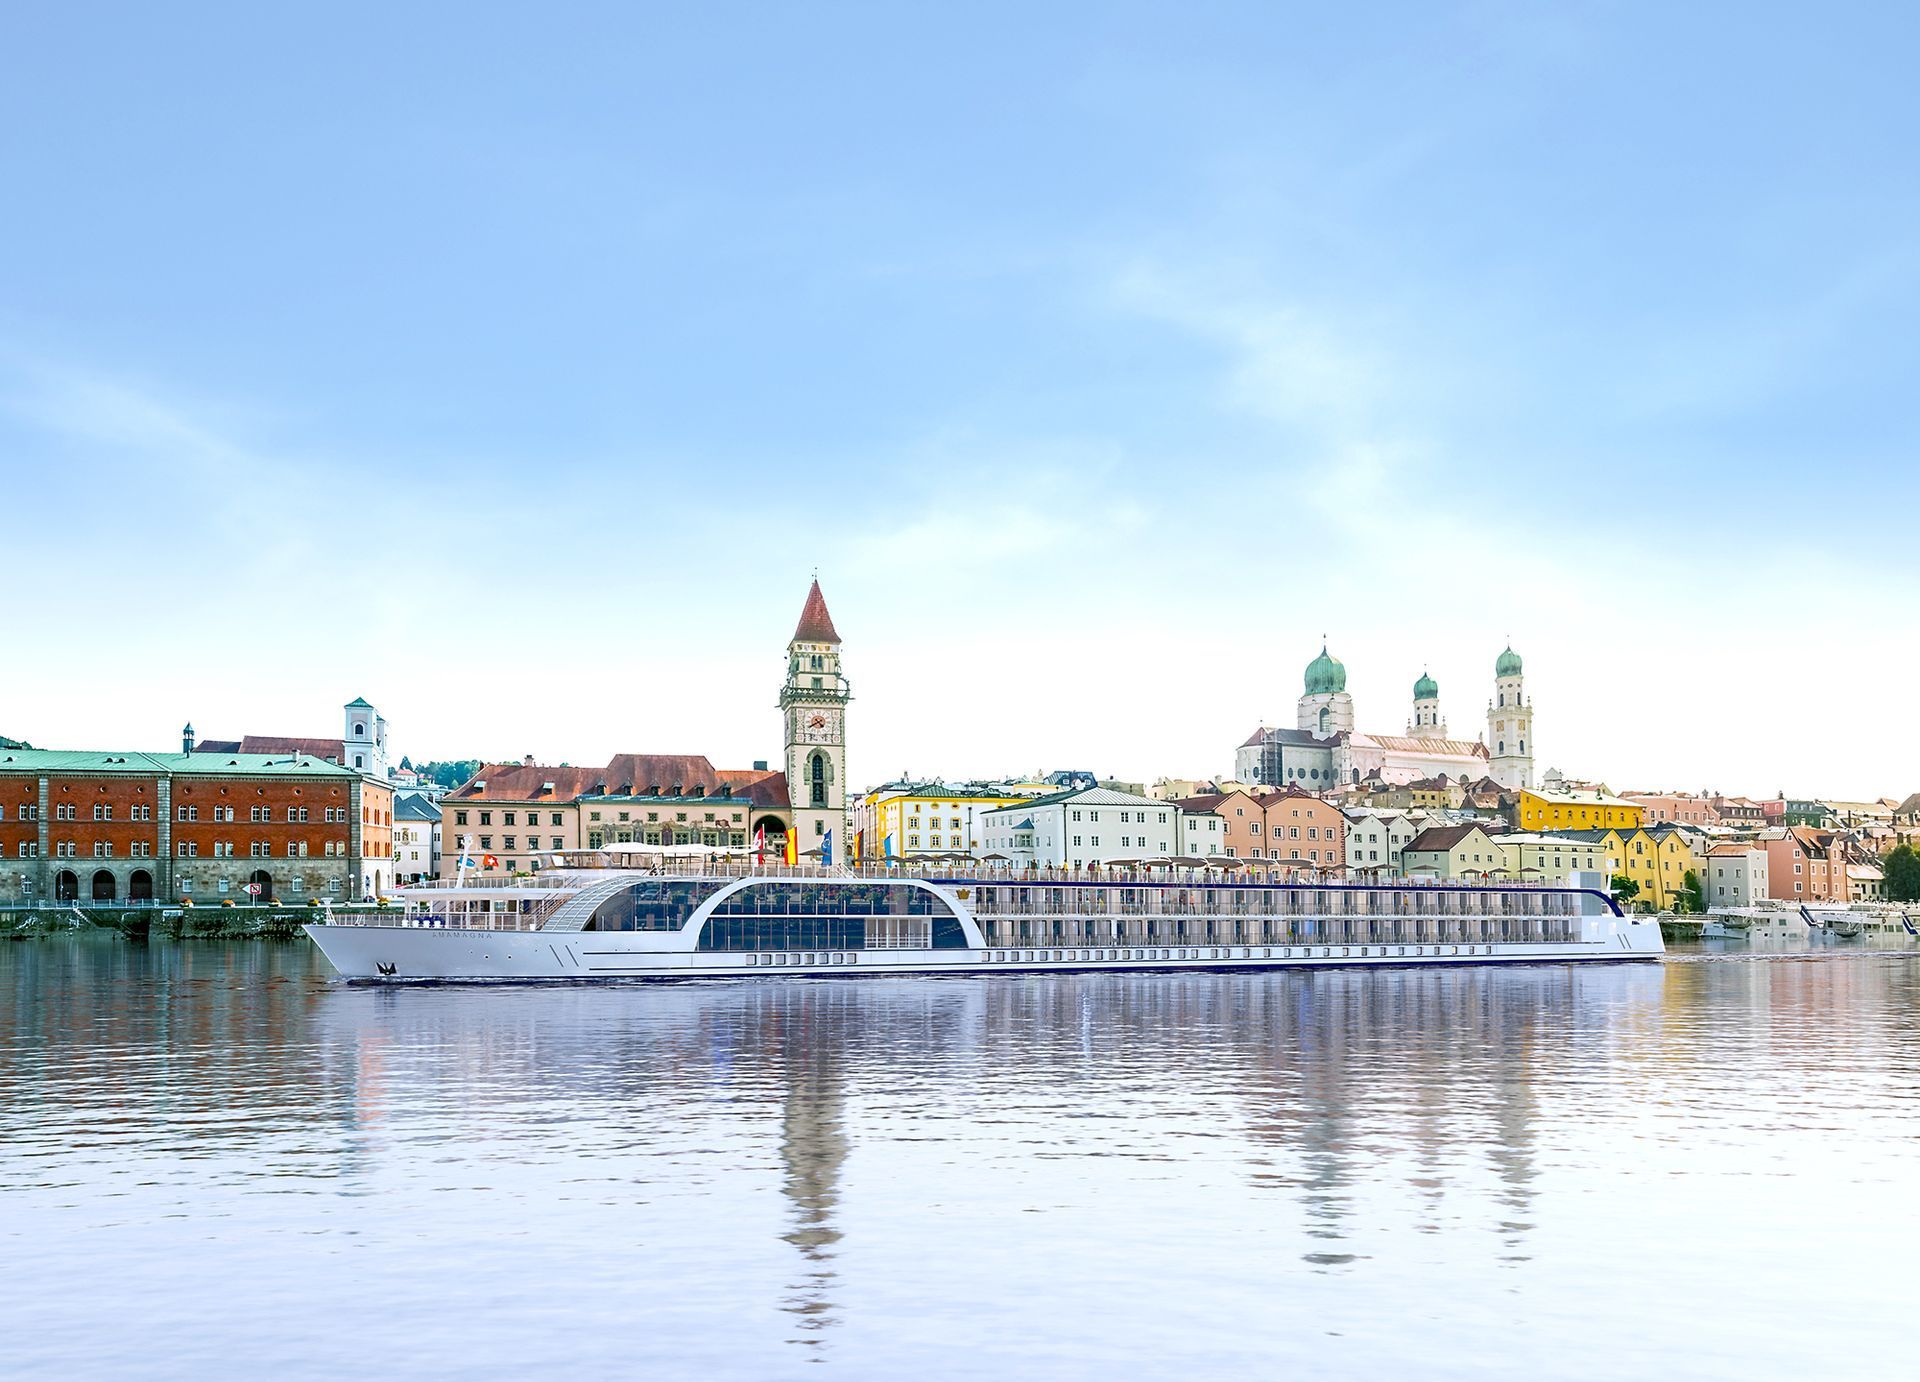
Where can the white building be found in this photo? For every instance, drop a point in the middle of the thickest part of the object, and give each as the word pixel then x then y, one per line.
pixel 1736 876
pixel 1094 826
pixel 1325 751
pixel 416 837
pixel 364 746
pixel 1201 834
pixel 1375 838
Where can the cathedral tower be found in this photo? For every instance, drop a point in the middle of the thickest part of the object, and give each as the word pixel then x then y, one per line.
pixel 814 699
pixel 1510 724
pixel 1427 723
pixel 1326 709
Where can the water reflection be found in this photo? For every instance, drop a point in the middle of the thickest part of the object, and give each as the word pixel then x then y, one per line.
pixel 836 1170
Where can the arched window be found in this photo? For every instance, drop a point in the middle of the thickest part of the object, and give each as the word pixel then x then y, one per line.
pixel 1326 718
pixel 817 780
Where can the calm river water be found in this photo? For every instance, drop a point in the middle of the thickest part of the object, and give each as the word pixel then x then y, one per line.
pixel 217 1163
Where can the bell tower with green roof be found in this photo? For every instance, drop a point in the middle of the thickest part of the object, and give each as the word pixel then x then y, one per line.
pixel 1325 709
pixel 1510 724
pixel 1426 723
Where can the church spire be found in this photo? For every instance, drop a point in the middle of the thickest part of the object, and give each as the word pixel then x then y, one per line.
pixel 816 625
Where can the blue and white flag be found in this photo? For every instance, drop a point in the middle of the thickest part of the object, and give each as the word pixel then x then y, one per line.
pixel 826 849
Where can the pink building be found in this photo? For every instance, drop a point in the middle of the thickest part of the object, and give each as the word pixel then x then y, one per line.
pixel 1303 831
pixel 1674 807
pixel 1805 865
pixel 1739 811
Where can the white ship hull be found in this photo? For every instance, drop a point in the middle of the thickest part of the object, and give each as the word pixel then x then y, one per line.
pixel 402 953
pixel 618 924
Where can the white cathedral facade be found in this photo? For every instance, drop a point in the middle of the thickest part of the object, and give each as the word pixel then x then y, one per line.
pixel 1326 751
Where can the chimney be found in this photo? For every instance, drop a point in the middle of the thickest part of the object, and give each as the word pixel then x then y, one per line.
pixel 186 739
pixel 527 762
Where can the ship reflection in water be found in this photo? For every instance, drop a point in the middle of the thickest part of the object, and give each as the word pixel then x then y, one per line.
pixel 1577 1172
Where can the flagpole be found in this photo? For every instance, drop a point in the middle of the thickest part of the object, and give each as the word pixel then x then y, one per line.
pixel 460 881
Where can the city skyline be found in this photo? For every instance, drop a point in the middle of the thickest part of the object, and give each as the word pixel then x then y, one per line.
pixel 1099 373
pixel 727 726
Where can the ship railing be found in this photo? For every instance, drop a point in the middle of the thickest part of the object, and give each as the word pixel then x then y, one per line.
pixel 427 920
pixel 738 864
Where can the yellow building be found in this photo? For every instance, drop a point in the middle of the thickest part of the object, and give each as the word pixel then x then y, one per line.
pixel 1573 809
pixel 930 818
pixel 1657 859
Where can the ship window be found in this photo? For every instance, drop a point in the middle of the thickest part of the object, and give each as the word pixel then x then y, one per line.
pixel 652 906
pixel 852 916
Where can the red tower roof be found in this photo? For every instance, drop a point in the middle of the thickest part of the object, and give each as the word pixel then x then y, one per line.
pixel 816 625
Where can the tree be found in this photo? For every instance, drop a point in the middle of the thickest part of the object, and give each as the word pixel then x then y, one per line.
pixel 1692 898
pixel 1902 871
pixel 452 773
pixel 1625 889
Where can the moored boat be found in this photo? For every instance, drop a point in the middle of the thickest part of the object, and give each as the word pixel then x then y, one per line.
pixel 718 921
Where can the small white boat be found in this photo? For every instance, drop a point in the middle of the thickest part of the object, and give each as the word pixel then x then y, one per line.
pixel 1833 923
pixel 1725 929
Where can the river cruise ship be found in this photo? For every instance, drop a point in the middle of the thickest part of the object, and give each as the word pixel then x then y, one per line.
pixel 724 920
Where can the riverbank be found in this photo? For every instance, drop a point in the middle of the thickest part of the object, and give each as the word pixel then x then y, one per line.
pixel 141 923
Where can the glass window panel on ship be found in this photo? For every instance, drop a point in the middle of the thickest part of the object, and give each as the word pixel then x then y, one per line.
pixel 822 916
pixel 652 906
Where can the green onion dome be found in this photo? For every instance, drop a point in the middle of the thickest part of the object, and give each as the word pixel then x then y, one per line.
pixel 1325 675
pixel 1426 689
pixel 1508 665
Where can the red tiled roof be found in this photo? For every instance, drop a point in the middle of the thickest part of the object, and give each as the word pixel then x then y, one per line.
pixel 276 744
pixel 1440 837
pixel 627 774
pixel 816 625
pixel 519 782
pixel 760 786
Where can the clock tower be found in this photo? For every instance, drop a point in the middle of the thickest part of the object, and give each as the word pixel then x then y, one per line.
pixel 814 701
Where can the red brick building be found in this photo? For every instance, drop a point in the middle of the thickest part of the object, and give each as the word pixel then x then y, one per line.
pixel 140 827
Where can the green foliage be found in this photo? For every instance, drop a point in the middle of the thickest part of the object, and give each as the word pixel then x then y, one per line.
pixel 452 773
pixel 1692 897
pixel 1625 888
pixel 1902 870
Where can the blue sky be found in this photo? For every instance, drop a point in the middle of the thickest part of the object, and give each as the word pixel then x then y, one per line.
pixel 1100 358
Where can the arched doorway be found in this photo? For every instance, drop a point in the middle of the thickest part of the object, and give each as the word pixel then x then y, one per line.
pixel 140 886
pixel 66 886
pixel 775 833
pixel 103 886
pixel 264 881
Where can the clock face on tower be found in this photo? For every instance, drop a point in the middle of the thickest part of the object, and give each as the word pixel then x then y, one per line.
pixel 817 726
